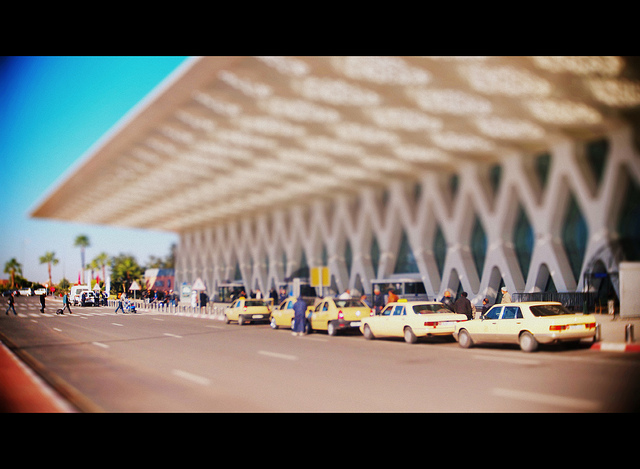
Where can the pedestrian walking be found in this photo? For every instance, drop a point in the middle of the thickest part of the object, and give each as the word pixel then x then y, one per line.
pixel 299 310
pixel 66 304
pixel 42 303
pixel 11 305
pixel 120 305
pixel 463 306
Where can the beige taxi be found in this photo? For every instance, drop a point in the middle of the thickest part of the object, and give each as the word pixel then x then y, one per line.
pixel 282 316
pixel 249 310
pixel 338 314
pixel 411 320
pixel 527 324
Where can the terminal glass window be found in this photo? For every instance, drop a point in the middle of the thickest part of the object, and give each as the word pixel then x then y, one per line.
pixel 406 262
pixel 597 152
pixel 439 250
pixel 629 223
pixel 478 245
pixel 523 238
pixel 575 236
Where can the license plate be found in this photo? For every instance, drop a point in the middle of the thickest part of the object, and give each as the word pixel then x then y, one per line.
pixel 355 323
pixel 576 326
pixel 257 316
pixel 448 323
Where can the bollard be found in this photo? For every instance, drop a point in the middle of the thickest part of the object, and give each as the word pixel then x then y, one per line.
pixel 628 333
pixel 596 338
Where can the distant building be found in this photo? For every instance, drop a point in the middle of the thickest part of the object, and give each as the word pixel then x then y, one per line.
pixel 159 279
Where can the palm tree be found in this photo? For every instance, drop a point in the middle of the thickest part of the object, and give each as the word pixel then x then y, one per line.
pixel 82 241
pixel 125 269
pixel 101 261
pixel 12 267
pixel 49 258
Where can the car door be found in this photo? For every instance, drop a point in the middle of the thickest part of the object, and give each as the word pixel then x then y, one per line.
pixel 233 310
pixel 509 325
pixel 319 316
pixel 397 321
pixel 380 324
pixel 488 327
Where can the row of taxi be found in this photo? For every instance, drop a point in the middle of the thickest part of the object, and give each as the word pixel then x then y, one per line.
pixel 527 324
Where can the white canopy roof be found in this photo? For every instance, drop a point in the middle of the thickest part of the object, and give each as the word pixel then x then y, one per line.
pixel 224 137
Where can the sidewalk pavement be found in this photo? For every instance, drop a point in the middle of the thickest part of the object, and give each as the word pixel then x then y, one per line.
pixel 22 391
pixel 614 331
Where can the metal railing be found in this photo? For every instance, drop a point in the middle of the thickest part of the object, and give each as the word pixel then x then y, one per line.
pixel 212 310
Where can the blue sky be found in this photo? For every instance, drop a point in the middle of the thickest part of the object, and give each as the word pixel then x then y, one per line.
pixel 52 110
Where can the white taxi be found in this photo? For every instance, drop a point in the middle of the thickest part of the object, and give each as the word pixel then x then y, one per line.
pixel 411 320
pixel 527 324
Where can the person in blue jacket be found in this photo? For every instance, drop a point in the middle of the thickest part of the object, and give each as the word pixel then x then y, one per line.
pixel 299 310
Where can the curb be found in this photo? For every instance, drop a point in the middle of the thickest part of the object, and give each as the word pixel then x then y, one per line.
pixel 615 347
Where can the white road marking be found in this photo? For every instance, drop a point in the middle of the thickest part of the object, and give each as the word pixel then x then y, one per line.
pixel 100 344
pixel 516 361
pixel 56 329
pixel 277 355
pixel 117 324
pixel 173 335
pixel 191 377
pixel 575 403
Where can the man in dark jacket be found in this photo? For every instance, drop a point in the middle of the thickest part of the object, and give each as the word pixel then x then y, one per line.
pixel 299 310
pixel 11 305
pixel 378 300
pixel 463 306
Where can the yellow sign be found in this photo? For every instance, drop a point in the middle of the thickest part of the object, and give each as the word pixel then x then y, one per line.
pixel 319 276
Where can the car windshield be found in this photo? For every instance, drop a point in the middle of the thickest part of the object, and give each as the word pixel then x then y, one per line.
pixel 351 303
pixel 549 310
pixel 430 309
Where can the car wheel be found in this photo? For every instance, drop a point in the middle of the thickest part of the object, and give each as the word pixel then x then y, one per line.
pixel 367 332
pixel 241 320
pixel 273 323
pixel 226 319
pixel 528 342
pixel 332 329
pixel 464 339
pixel 409 336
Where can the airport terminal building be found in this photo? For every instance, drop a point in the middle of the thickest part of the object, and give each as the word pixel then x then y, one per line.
pixel 463 173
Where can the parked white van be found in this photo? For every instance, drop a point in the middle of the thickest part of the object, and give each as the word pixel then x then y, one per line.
pixel 76 292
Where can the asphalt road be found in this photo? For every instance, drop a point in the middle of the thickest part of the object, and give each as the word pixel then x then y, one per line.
pixel 150 362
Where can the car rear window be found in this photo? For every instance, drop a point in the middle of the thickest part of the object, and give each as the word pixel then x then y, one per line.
pixel 430 309
pixel 255 303
pixel 549 310
pixel 349 303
